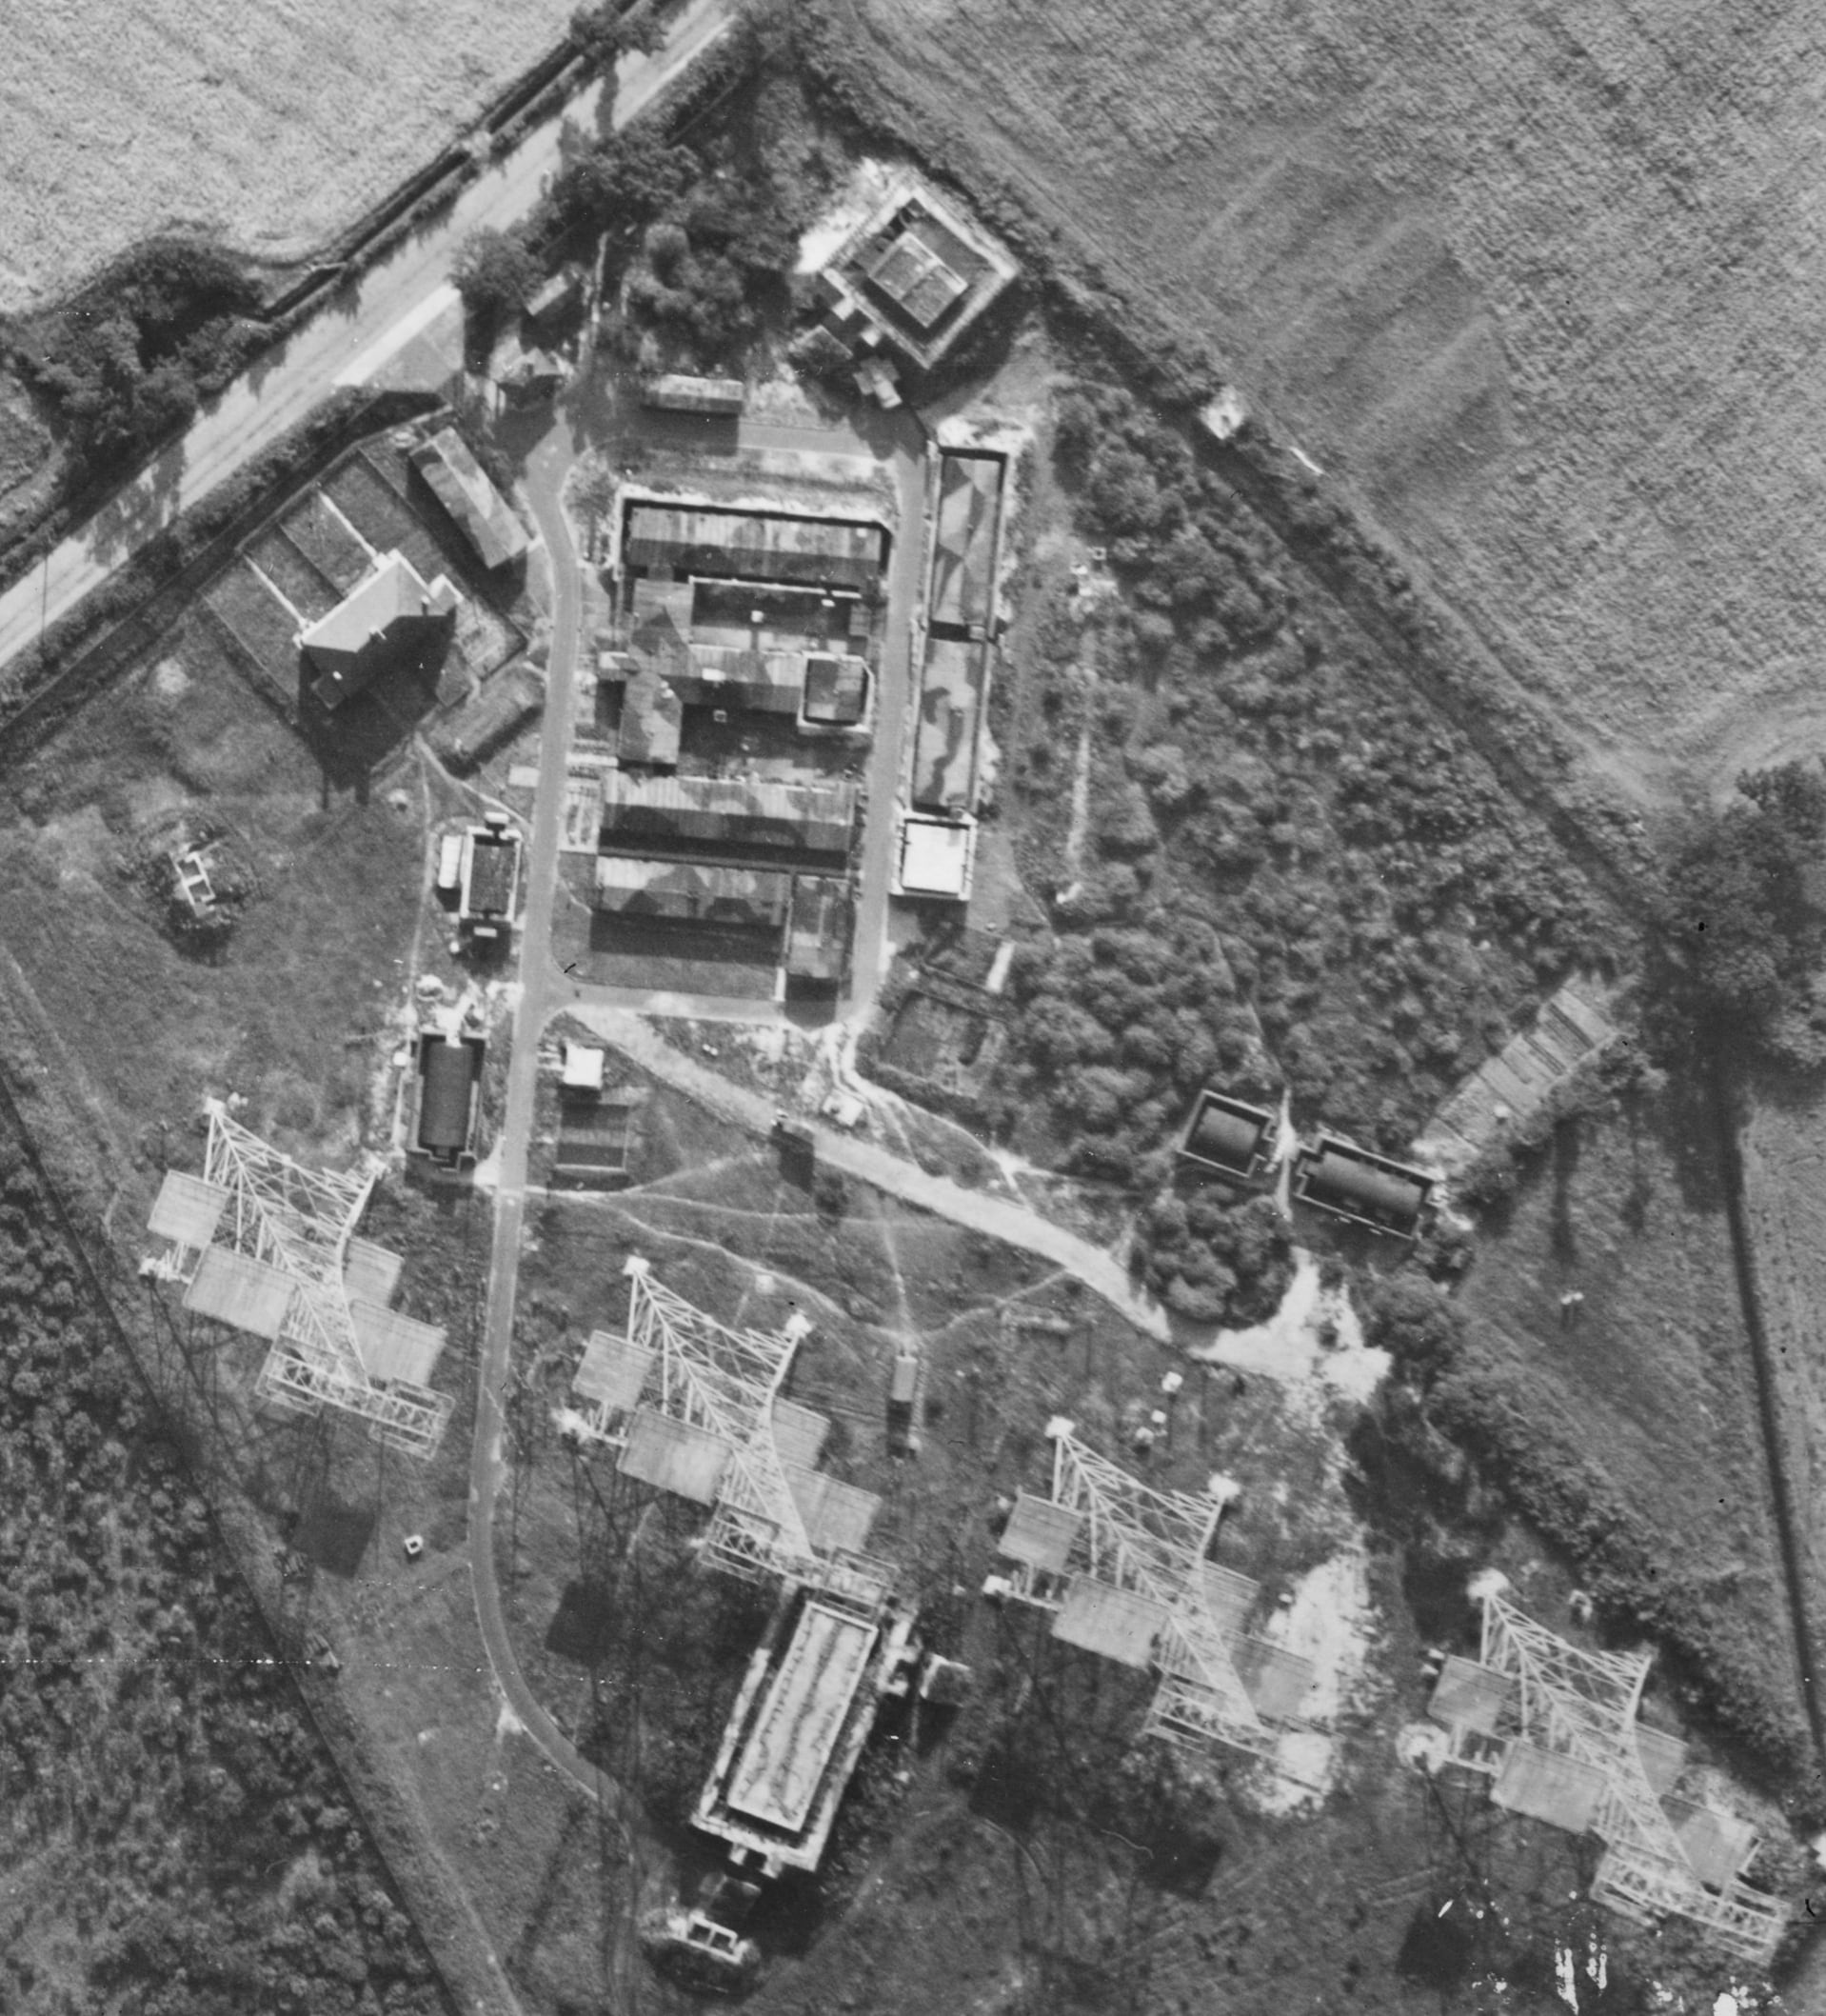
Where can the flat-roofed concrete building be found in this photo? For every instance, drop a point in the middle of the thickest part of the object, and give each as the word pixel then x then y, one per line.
pixel 963 549
pixel 915 273
pixel 1369 1190
pixel 392 616
pixel 797 1730
pixel 836 693
pixel 477 510
pixel 952 682
pixel 936 857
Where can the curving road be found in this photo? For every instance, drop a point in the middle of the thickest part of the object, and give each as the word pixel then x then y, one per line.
pixel 284 384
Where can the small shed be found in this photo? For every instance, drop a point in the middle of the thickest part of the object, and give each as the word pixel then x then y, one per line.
pixel 450 1074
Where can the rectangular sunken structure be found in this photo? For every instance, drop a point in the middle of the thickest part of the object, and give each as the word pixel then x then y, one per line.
pixel 1368 1190
pixel 1228 1138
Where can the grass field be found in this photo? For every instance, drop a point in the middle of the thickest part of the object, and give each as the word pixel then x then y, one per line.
pixel 275 131
pixel 1541 287
pixel 1651 1381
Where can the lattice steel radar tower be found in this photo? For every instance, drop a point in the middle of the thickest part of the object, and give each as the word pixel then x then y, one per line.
pixel 266 1245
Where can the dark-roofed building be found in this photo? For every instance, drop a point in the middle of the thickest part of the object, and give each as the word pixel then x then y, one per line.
pixel 488 719
pixel 708 812
pixel 490 880
pixel 652 720
pixel 680 392
pixel 450 1076
pixel 819 934
pixel 1369 1190
pixel 836 693
pixel 1227 1137
pixel 748 899
pixel 475 506
pixel 753 546
pixel 944 739
pixel 964 544
pixel 392 616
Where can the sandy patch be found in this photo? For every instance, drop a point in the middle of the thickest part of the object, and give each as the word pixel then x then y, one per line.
pixel 1332 1622
pixel 169 679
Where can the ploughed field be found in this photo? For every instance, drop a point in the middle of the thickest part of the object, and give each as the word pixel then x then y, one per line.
pixel 1539 285
pixel 273 126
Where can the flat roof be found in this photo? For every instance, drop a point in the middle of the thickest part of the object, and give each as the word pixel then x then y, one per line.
pixel 936 857
pixel 393 1346
pixel 244 1293
pixel 1664 1758
pixel 836 689
pixel 944 735
pixel 583 1071
pixel 818 930
pixel 612 1372
pixel 1717 1844
pixel 1041 1533
pixel 652 719
pixel 674 1456
pixel 913 273
pixel 964 544
pixel 1114 1622
pixel 186 1210
pixel 801 1717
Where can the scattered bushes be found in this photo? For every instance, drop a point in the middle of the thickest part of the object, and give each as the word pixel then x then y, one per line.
pixel 1311 853
pixel 1214 1261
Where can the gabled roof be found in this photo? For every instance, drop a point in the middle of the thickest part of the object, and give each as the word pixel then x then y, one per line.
pixel 392 590
pixel 459 483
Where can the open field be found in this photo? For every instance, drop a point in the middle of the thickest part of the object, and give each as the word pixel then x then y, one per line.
pixel 1541 288
pixel 273 130
pixel 1651 1381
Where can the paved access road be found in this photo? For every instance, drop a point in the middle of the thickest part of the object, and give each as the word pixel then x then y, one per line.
pixel 287 382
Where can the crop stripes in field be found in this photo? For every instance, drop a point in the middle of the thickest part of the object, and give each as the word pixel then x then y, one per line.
pixel 1788 1528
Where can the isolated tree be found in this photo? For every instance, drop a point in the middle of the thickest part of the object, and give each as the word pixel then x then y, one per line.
pixel 494 272
pixel 605 32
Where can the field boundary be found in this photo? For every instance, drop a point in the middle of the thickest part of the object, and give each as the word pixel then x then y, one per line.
pixel 222 521
pixel 1788 1526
